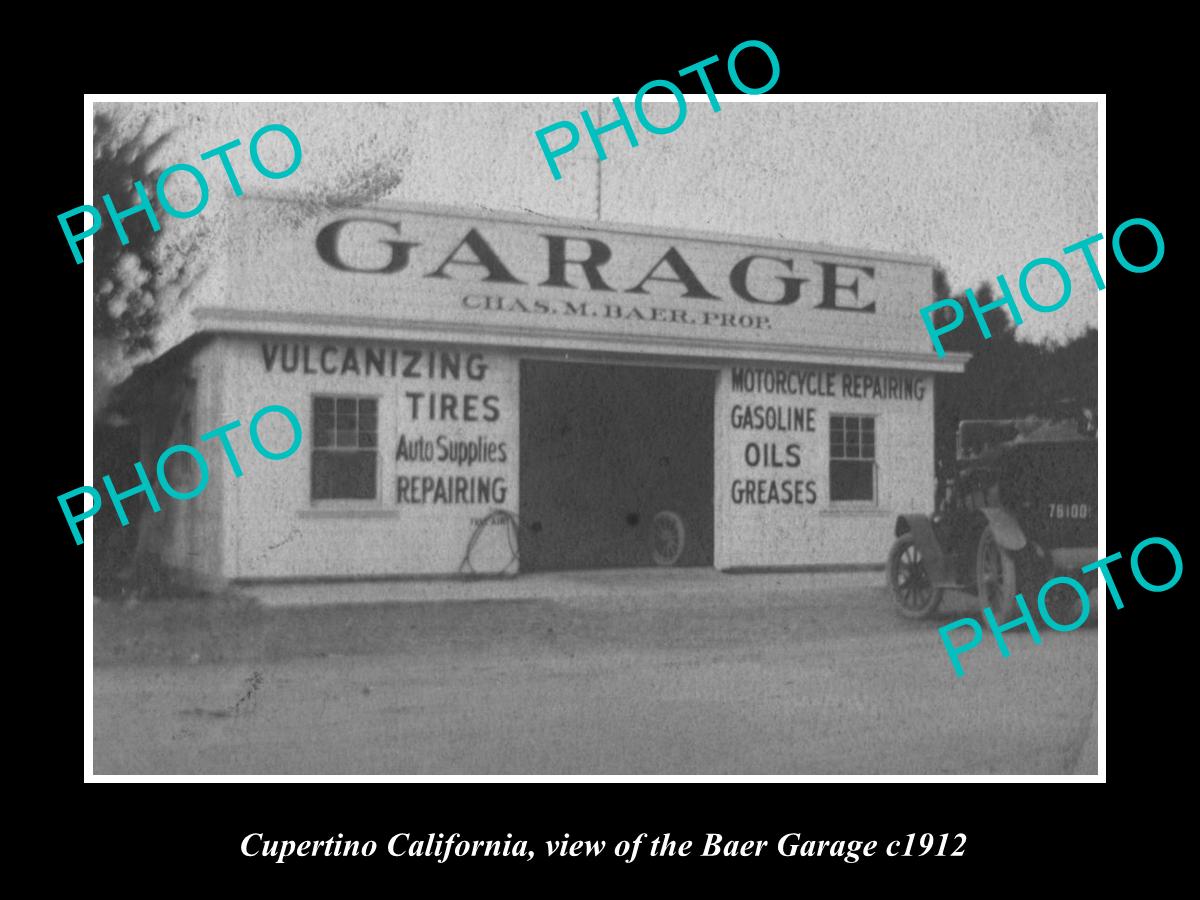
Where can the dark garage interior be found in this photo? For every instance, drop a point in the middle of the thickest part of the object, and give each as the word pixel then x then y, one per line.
pixel 616 466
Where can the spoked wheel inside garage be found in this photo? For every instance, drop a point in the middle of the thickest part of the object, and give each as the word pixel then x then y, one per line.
pixel 617 466
pixel 668 536
pixel 912 589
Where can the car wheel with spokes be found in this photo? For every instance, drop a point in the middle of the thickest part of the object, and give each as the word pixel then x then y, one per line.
pixel 667 538
pixel 912 589
pixel 996 577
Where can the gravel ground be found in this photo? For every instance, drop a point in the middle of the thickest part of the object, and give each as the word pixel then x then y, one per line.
pixel 744 680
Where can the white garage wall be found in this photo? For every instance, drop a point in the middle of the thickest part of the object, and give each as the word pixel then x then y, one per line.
pixel 820 533
pixel 280 531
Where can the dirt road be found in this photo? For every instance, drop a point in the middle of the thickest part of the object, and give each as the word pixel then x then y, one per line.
pixel 825 682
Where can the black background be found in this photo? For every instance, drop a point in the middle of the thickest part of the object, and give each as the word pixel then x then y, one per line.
pixel 167 834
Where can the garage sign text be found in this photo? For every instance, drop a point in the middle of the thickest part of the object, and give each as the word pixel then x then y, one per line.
pixel 373 246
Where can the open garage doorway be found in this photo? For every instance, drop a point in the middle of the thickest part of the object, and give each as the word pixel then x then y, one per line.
pixel 616 466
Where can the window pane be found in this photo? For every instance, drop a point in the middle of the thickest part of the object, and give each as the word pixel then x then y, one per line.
pixel 359 475
pixel 868 449
pixel 837 437
pixel 349 424
pixel 868 427
pixel 851 480
pixel 343 476
pixel 852 442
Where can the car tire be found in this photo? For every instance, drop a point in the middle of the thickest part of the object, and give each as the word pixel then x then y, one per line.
pixel 668 536
pixel 914 594
pixel 1065 606
pixel 996 577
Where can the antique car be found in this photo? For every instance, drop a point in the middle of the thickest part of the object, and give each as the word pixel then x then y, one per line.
pixel 1019 509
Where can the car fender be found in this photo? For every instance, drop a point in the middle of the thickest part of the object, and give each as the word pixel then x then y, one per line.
pixel 1005 528
pixel 937 564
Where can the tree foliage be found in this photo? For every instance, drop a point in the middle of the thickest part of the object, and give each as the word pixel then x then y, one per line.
pixel 127 300
pixel 1008 378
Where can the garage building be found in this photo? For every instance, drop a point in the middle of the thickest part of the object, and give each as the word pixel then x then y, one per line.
pixel 493 393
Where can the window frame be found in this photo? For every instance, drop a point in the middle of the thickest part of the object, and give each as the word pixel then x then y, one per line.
pixel 374 502
pixel 873 503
